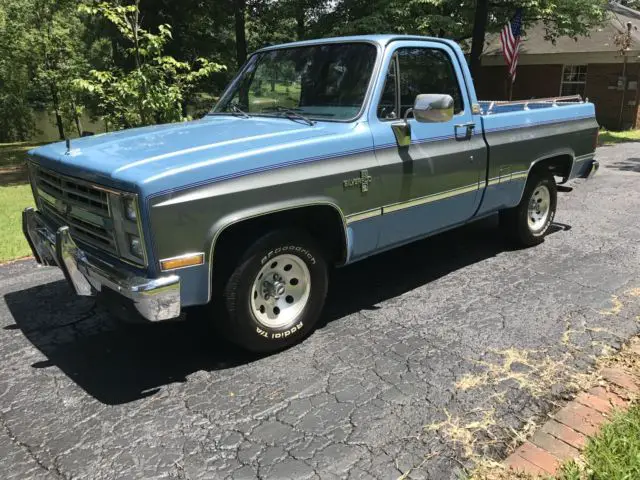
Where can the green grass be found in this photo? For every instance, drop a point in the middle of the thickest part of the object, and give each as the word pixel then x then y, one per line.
pixel 611 138
pixel 282 95
pixel 613 454
pixel 12 201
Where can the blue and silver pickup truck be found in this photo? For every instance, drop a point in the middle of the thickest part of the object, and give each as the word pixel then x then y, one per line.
pixel 318 154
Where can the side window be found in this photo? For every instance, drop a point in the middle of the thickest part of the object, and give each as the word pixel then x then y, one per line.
pixel 387 105
pixel 426 70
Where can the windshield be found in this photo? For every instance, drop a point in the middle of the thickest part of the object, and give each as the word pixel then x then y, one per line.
pixel 323 82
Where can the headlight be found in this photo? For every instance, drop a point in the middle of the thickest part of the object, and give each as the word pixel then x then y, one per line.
pixel 135 246
pixel 130 209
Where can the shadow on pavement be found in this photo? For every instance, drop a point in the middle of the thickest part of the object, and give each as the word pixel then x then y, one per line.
pixel 628 165
pixel 112 361
pixel 118 363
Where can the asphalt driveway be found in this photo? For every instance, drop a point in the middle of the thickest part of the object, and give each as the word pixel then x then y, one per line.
pixel 428 356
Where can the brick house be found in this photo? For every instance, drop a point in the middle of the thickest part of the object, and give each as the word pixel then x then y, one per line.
pixel 590 66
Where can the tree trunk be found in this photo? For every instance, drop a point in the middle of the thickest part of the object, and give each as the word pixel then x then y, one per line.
pixel 479 30
pixel 135 29
pixel 300 27
pixel 624 90
pixel 77 118
pixel 56 108
pixel 78 124
pixel 241 34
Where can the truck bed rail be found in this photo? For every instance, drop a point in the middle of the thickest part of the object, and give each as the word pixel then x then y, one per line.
pixel 501 106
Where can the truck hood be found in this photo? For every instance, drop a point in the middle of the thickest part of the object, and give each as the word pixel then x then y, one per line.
pixel 131 158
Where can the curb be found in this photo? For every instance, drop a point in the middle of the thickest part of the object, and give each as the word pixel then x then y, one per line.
pixel 16 260
pixel 564 436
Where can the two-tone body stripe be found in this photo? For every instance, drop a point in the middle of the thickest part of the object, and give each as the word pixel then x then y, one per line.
pixel 537 124
pixel 345 154
pixel 507 178
pixel 356 217
pixel 361 215
pixel 432 198
pixel 395 207
pixel 263 169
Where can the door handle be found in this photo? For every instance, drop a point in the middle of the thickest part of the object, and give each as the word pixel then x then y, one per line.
pixel 469 127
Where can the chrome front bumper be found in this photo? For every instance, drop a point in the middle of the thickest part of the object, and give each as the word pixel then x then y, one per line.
pixel 155 299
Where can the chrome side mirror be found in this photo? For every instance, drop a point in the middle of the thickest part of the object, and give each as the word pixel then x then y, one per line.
pixel 433 108
pixel 428 108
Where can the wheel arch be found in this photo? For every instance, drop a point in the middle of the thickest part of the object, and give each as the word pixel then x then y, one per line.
pixel 560 161
pixel 319 216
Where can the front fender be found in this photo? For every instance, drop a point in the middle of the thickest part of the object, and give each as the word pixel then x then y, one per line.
pixel 237 217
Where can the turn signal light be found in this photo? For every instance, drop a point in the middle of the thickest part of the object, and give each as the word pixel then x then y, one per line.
pixel 182 261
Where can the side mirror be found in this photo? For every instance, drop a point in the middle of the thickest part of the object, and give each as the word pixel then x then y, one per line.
pixel 433 108
pixel 428 108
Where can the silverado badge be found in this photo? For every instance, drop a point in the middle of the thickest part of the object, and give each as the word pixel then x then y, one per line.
pixel 363 180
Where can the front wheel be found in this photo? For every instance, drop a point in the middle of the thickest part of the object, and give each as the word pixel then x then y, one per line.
pixel 529 222
pixel 275 294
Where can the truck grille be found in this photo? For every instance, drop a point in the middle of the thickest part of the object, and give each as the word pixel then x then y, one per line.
pixel 81 206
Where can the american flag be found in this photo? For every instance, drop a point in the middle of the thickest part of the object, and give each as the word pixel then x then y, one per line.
pixel 510 39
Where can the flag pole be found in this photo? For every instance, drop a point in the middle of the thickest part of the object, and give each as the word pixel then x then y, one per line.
pixel 510 87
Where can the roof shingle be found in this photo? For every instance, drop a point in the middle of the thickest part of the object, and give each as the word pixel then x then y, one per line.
pixel 600 40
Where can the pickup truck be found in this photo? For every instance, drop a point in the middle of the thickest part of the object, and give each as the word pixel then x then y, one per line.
pixel 318 154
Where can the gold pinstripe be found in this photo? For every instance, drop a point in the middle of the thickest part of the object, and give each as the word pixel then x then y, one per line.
pixel 395 207
pixel 431 198
pixel 356 217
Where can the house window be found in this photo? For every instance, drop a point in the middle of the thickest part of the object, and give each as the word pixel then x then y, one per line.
pixel 574 80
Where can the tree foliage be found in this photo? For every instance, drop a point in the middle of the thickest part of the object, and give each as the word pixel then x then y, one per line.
pixel 154 90
pixel 137 62
pixel 15 113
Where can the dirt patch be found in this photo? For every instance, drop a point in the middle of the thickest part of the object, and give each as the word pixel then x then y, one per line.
pixel 531 370
pixel 15 175
pixel 537 373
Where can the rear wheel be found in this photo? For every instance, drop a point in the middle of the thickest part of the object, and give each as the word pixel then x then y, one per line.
pixel 275 293
pixel 529 222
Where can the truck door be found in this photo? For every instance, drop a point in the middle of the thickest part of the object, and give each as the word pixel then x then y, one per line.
pixel 435 182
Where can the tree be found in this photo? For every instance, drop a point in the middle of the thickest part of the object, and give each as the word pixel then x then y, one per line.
pixel 463 19
pixel 107 62
pixel 16 119
pixel 240 12
pixel 55 38
pixel 153 90
pixel 560 18
pixel 623 41
pixel 41 51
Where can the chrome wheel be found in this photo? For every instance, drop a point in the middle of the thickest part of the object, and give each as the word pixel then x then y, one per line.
pixel 280 291
pixel 539 208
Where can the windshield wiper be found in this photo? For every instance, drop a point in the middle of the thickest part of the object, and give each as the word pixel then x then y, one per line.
pixel 236 109
pixel 290 113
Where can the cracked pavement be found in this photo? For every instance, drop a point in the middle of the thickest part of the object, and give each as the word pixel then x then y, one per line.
pixel 374 393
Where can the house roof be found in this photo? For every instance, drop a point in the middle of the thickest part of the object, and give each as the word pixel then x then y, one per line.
pixel 599 40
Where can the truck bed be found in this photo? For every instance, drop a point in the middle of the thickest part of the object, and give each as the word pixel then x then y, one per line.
pixel 520 134
pixel 491 107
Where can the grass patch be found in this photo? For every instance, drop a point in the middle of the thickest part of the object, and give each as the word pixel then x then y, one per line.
pixel 611 138
pixel 12 201
pixel 613 454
